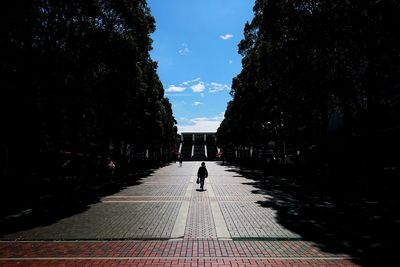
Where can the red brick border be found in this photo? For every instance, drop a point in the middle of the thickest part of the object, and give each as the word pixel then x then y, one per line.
pixel 179 248
pixel 182 262
pixel 168 253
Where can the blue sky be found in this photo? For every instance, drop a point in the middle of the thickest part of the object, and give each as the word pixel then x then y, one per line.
pixel 195 45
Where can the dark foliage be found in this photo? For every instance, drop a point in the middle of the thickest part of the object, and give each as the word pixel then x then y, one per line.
pixel 320 85
pixel 79 86
pixel 317 106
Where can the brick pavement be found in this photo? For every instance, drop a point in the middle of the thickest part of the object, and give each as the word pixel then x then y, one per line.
pixel 168 253
pixel 166 221
pixel 182 262
pixel 260 224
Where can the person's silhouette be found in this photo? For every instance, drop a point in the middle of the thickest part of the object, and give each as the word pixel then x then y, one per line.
pixel 202 174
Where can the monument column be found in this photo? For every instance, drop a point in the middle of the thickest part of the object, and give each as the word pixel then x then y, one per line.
pixel 205 146
pixel 192 145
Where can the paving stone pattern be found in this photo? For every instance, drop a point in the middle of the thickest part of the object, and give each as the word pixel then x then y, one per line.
pixel 145 199
pixel 200 223
pixel 234 190
pixel 168 253
pixel 178 248
pixel 159 262
pixel 143 218
pixel 246 220
pixel 110 221
pixel 153 189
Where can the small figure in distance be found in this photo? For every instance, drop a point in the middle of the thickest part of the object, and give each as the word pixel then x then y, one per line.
pixel 180 160
pixel 222 155
pixel 202 173
pixel 111 167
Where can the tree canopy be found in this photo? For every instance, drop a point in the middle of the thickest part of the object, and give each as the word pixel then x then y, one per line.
pixel 315 70
pixel 78 78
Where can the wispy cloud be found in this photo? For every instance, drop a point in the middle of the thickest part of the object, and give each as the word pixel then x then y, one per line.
pixel 184 119
pixel 198 88
pixel 226 36
pixel 220 116
pixel 230 61
pixel 202 124
pixel 175 89
pixel 217 87
pixel 190 81
pixel 177 94
pixel 184 51
pixel 197 103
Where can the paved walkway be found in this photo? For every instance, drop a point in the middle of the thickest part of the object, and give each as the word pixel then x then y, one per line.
pixel 167 221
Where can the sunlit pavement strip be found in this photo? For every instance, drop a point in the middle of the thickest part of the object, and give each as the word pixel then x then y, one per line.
pixel 180 223
pixel 182 226
pixel 220 225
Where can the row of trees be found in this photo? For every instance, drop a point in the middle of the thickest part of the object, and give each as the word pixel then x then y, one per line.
pixel 78 81
pixel 319 77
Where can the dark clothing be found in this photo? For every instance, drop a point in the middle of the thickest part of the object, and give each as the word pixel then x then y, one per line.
pixel 202 172
pixel 202 183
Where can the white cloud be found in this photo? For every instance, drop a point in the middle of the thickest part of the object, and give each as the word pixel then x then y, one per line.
pixel 230 61
pixel 199 119
pixel 173 88
pixel 217 87
pixel 177 94
pixel 220 116
pixel 226 36
pixel 198 88
pixel 202 124
pixel 190 81
pixel 184 119
pixel 197 103
pixel 184 51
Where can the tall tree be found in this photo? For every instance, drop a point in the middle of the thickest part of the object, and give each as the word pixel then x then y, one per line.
pixel 78 78
pixel 314 71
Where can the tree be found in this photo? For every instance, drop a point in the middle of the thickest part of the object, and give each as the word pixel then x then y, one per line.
pixel 78 78
pixel 315 73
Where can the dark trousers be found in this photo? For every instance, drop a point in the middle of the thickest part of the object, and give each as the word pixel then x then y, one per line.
pixel 202 182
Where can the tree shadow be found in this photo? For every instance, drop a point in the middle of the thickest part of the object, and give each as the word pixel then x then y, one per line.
pixel 65 198
pixel 339 219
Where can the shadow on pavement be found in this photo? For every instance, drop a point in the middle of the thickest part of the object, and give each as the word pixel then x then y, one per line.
pixel 64 199
pixel 340 220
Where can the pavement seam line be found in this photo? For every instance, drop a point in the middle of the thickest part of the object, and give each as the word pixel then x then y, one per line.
pixel 177 258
